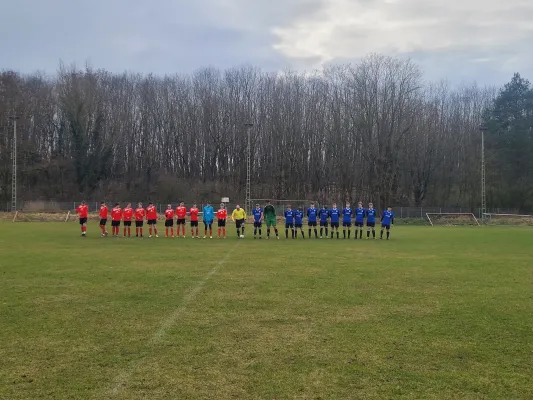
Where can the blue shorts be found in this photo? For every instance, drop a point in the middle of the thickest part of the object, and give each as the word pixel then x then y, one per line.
pixel 346 224
pixel 324 223
pixel 359 223
pixel 289 225
pixel 385 226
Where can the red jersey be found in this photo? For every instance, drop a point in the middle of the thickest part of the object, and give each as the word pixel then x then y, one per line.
pixel 83 210
pixel 151 212
pixel 169 214
pixel 194 214
pixel 103 212
pixel 140 213
pixel 181 212
pixel 128 213
pixel 222 214
pixel 116 213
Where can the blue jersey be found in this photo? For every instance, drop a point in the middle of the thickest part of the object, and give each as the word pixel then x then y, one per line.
pixel 347 215
pixel 209 213
pixel 311 214
pixel 334 214
pixel 324 214
pixel 371 215
pixel 387 217
pixel 298 217
pixel 289 216
pixel 258 213
pixel 359 214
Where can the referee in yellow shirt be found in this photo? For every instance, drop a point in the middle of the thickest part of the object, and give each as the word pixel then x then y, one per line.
pixel 238 216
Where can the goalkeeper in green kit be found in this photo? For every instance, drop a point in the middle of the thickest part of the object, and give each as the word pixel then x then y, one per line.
pixel 269 214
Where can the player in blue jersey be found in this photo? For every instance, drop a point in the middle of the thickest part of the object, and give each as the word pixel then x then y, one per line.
pixel 312 214
pixel 289 221
pixel 387 219
pixel 347 220
pixel 334 215
pixel 208 215
pixel 371 214
pixel 258 220
pixel 323 214
pixel 359 220
pixel 298 222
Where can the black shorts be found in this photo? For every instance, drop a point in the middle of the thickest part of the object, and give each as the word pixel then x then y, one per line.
pixel 347 224
pixel 208 224
pixel 298 226
pixel 169 223
pixel 115 223
pixel 239 223
pixel 359 224
pixel 83 221
pixel 152 221
pixel 103 221
pixel 194 223
pixel 258 224
pixel 221 223
pixel 180 221
pixel 324 223
pixel 334 224
pixel 289 225
pixel 370 224
pixel 312 223
pixel 139 224
pixel 127 223
pixel 387 227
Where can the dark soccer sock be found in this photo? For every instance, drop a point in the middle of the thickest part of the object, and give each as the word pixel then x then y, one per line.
pixel 367 234
pixel 381 234
pixel 303 234
pixel 309 233
pixel 337 234
pixel 373 234
pixel 360 233
pixel 255 231
pixel 344 233
pixel 292 233
pixel 388 234
pixel 238 232
pixel 259 231
pixel 326 232
pixel 276 232
pixel 332 233
pixel 268 232
pixel 316 233
pixel 321 230
pixel 286 233
pixel 349 233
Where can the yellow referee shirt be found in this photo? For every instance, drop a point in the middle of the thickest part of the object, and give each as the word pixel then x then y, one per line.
pixel 238 214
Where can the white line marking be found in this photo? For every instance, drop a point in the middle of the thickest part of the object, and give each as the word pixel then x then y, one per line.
pixel 125 375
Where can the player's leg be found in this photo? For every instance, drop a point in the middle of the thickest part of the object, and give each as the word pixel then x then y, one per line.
pixel 349 230
pixel 344 230
pixel 210 229
pixel 243 225
pixel 205 229
pixel 286 231
pixel 316 230
pixel 381 233
pixel 260 234
pixel 388 232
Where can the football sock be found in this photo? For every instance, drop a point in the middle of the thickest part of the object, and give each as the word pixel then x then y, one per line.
pixel 276 232
pixel 388 234
pixel 292 232
pixel 224 231
pixel 238 232
pixel 326 231
pixel 344 233
pixel 360 233
pixel 381 234
pixel 259 231
pixel 337 234
pixel 303 234
pixel 255 231
pixel 286 233
pixel 141 230
pixel 309 233
pixel 166 231
pixel 316 233
pixel 210 231
pixel 150 230
pixel 321 230
pixel 349 233
pixel 367 234
pixel 243 229
pixel 332 233
pixel 373 234
pixel 268 232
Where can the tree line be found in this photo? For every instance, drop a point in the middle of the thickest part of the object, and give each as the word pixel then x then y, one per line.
pixel 375 131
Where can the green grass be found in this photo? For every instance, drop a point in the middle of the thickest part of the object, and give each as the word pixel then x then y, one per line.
pixel 435 313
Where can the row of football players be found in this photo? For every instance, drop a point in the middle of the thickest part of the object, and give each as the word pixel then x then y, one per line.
pixel 325 218
pixel 293 220
pixel 128 214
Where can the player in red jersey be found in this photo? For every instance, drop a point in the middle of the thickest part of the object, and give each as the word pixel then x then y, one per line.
pixel 83 214
pixel 103 217
pixel 116 217
pixel 151 216
pixel 127 214
pixel 222 214
pixel 181 213
pixel 140 213
pixel 169 220
pixel 193 212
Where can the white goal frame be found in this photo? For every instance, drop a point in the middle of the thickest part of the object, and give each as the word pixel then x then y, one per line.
pixel 458 214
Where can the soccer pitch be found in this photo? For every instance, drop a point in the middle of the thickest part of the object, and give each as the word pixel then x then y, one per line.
pixel 441 313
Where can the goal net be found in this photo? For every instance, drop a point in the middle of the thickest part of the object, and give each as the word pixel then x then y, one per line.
pixel 508 219
pixel 452 219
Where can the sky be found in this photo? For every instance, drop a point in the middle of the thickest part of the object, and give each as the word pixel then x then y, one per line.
pixel 458 40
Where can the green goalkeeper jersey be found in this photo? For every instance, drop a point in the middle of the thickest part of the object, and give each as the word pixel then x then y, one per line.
pixel 269 211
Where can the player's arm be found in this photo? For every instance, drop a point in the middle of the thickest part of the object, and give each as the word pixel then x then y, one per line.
pixel 233 216
pixel 392 219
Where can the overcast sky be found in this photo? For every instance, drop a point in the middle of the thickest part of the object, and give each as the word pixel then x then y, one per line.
pixel 461 40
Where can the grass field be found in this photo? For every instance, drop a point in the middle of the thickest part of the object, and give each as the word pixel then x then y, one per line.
pixel 435 313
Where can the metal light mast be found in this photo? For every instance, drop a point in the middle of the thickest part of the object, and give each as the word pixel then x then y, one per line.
pixel 14 118
pixel 248 205
pixel 483 129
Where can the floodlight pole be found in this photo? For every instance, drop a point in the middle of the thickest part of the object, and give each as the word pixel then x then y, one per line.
pixel 14 118
pixel 248 205
pixel 483 129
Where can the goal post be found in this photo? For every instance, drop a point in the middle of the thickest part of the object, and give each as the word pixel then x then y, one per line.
pixel 452 219
pixel 508 219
